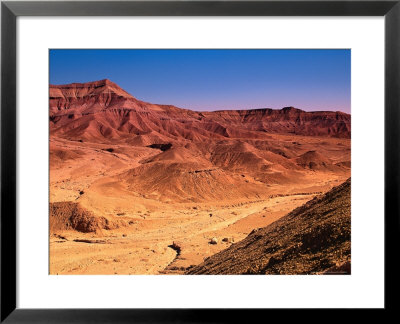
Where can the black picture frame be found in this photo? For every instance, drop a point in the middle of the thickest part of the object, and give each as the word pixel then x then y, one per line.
pixel 10 10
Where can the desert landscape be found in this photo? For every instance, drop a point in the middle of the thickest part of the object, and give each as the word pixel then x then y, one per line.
pixel 142 188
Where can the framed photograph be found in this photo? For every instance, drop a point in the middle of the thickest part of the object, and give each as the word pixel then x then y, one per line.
pixel 186 161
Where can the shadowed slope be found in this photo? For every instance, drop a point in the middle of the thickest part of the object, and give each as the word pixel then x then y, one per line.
pixel 313 238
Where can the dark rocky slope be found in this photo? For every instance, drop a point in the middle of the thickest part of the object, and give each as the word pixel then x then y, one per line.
pixel 312 239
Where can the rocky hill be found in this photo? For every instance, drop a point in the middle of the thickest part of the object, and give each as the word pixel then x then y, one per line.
pixel 101 110
pixel 312 239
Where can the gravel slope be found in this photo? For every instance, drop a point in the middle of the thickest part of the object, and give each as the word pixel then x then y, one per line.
pixel 312 239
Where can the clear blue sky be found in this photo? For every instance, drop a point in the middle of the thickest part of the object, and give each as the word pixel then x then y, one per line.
pixel 216 79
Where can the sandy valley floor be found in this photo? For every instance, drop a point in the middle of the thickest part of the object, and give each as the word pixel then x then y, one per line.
pixel 150 233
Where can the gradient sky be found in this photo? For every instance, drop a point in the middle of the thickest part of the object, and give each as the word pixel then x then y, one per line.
pixel 216 79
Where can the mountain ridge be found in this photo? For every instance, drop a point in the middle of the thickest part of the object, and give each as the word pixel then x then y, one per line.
pixel 108 82
pixel 114 105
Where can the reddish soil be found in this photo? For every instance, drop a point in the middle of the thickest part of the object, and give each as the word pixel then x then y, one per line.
pixel 131 181
pixel 312 239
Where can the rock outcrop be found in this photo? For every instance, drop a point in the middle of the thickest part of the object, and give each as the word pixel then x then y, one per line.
pixel 312 239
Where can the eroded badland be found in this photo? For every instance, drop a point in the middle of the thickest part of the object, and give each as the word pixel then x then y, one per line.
pixel 139 188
